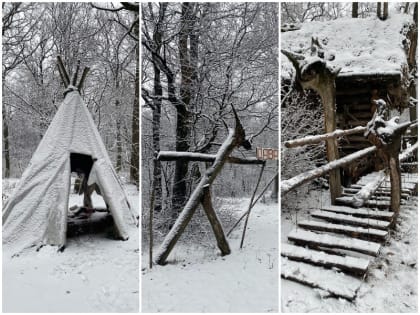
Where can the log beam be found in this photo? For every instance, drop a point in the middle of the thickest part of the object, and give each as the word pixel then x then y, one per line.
pixel 292 183
pixel 319 138
pixel 202 157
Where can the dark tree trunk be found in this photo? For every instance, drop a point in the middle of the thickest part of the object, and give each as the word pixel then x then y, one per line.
pixel 134 162
pixel 378 10
pixel 6 151
pixel 118 138
pixel 385 14
pixel 157 105
pixel 135 136
pixel 179 190
pixel 354 9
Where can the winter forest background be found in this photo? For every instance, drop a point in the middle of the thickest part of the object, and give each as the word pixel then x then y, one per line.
pixel 104 37
pixel 197 60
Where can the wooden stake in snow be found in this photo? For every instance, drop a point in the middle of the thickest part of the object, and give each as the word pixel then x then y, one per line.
pixel 201 194
pixel 312 72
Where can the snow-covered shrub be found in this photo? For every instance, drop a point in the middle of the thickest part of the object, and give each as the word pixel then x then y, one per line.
pixel 301 115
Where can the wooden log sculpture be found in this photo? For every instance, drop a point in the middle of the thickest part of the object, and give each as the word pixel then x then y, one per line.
pixel 201 194
pixel 313 72
pixel 386 136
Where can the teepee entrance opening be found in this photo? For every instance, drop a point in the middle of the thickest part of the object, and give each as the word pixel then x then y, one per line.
pixel 88 212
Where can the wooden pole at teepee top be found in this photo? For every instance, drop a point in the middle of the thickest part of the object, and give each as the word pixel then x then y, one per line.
pixel 65 76
pixel 82 79
pixel 76 73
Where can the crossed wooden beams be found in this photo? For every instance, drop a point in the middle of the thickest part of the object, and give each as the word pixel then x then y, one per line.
pixel 202 194
pixel 65 78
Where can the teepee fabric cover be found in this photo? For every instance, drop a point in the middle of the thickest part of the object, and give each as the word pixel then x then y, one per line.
pixel 36 214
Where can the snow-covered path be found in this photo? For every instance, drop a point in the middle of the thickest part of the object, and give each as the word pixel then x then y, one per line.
pixel 93 274
pixel 199 280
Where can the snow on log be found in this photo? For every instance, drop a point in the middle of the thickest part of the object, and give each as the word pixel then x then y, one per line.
pixel 202 157
pixel 305 177
pixel 326 240
pixel 335 283
pixel 368 190
pixel 347 263
pixel 318 138
pixel 408 152
pixel 353 231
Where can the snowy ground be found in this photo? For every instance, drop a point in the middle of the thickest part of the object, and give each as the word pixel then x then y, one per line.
pixel 198 279
pixel 391 285
pixel 93 274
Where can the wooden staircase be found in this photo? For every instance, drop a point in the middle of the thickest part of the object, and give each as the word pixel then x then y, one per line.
pixel 334 248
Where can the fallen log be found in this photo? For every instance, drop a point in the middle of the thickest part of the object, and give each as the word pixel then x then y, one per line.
pixel 364 194
pixel 319 138
pixel 305 177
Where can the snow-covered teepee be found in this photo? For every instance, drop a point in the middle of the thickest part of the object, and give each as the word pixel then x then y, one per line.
pixel 36 214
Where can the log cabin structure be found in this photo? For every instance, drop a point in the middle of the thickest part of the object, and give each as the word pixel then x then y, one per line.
pixel 377 60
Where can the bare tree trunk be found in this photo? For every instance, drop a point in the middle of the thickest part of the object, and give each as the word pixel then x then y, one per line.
pixel 6 151
pixel 179 190
pixel 157 104
pixel 118 137
pixel 134 161
pixel 385 15
pixel 412 62
pixel 378 10
pixel 354 9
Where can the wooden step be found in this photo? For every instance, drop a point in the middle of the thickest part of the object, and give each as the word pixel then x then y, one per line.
pixel 336 283
pixel 354 265
pixel 379 204
pixel 370 234
pixel 352 191
pixel 361 212
pixel 349 219
pixel 407 185
pixel 303 237
pixel 383 189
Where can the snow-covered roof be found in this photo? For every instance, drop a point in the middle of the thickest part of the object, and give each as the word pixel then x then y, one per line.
pixel 361 46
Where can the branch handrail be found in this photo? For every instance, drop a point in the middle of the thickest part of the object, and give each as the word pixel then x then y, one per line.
pixel 336 134
pixel 319 138
pixel 307 176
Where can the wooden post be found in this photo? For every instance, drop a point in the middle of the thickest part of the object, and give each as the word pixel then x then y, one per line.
pixel 222 242
pixel 386 136
pixel 250 205
pixel 315 74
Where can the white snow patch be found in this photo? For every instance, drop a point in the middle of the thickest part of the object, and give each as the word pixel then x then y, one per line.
pixel 197 279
